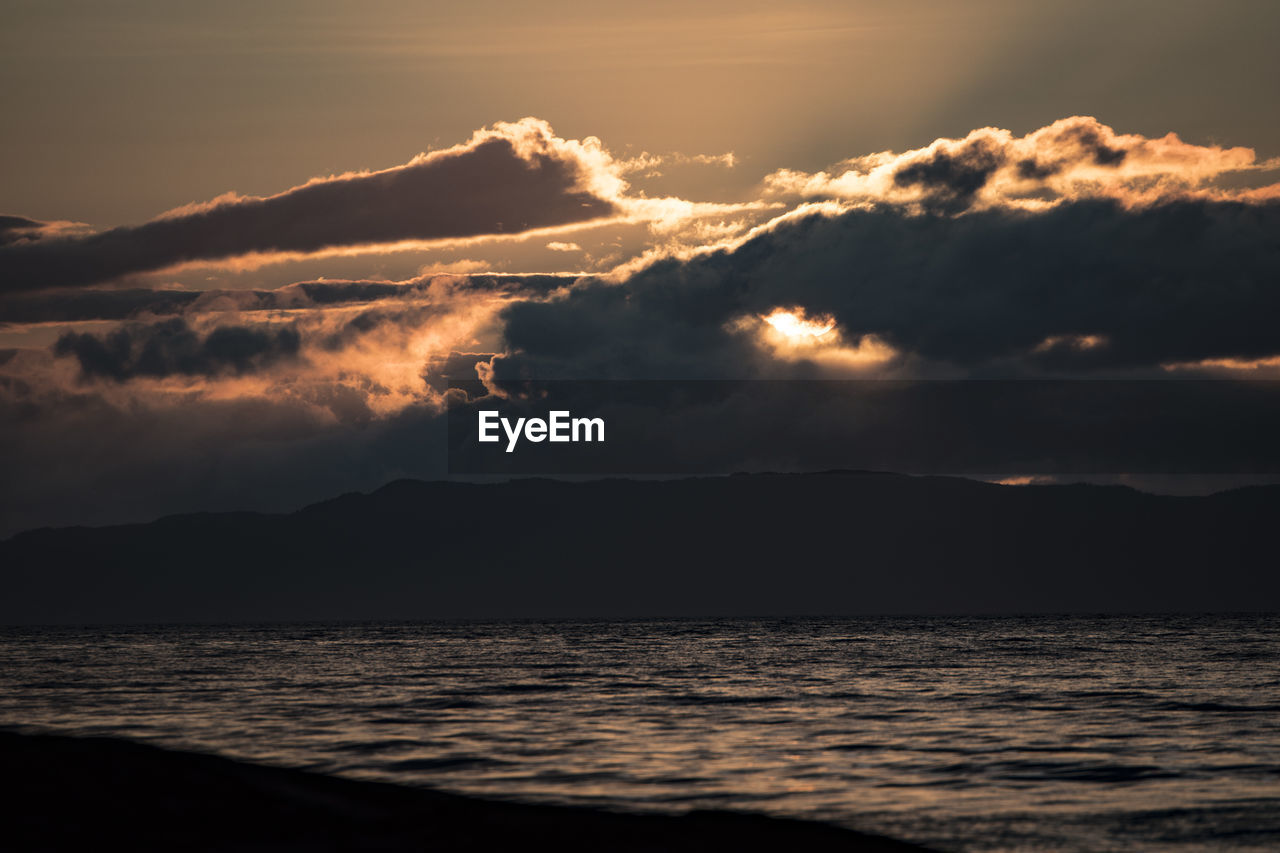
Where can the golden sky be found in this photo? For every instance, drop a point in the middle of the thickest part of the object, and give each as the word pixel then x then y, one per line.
pixel 116 111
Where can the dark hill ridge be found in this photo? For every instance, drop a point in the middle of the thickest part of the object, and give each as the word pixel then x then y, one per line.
pixel 766 544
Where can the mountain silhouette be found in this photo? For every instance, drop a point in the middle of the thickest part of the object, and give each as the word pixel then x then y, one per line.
pixel 760 544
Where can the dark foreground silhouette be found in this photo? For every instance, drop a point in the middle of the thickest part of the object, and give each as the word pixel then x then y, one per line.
pixel 795 544
pixel 70 793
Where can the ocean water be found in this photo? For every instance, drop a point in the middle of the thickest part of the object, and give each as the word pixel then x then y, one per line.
pixel 992 734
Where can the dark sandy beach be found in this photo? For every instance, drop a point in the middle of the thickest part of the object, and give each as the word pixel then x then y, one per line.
pixel 71 793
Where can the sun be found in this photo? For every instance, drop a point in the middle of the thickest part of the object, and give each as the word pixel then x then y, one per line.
pixel 796 325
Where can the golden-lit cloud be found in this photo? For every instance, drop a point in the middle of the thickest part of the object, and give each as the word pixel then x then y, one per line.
pixel 509 184
pixel 797 327
pixel 346 361
pixel 461 266
pixel 1073 158
pixel 20 229
pixel 649 165
pixel 511 178
pixel 1081 343
pixel 792 334
pixel 1241 368
pixel 1026 480
pixel 700 238
pixel 774 286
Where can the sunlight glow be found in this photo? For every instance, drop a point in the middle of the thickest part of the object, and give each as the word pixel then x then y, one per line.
pixel 797 325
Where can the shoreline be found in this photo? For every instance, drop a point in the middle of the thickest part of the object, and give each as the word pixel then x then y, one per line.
pixel 72 791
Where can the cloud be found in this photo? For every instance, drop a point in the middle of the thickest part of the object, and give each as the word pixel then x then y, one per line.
pixel 1080 287
pixel 16 228
pixel 353 350
pixel 172 348
pixel 45 307
pixel 461 266
pixel 508 179
pixel 20 229
pixel 1072 251
pixel 90 304
pixel 64 451
pixel 649 165
pixel 1073 158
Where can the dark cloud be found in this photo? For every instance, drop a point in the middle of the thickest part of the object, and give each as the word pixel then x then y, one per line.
pixel 1068 146
pixel 1083 286
pixel 373 319
pixel 92 305
pixel 172 348
pixel 1031 169
pixel 499 184
pixel 80 457
pixel 952 178
pixel 346 292
pixel 17 228
pixel 80 305
pixel 1089 287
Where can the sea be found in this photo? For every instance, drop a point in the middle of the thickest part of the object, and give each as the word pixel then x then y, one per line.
pixel 1040 733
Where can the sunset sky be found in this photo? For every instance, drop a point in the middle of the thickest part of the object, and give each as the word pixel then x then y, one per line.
pixel 243 245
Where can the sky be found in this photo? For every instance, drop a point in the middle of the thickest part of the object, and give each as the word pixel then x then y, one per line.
pixel 244 245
